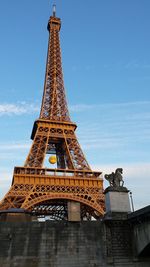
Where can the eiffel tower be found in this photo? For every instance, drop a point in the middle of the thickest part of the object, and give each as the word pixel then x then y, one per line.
pixel 71 187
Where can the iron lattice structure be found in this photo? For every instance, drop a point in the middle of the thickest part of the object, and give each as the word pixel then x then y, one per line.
pixel 45 191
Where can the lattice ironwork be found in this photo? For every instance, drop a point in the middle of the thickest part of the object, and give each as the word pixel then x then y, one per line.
pixel 33 187
pixel 54 105
pixel 45 191
pixel 59 138
pixel 53 210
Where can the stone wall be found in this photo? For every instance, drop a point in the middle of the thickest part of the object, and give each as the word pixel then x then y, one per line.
pixel 67 244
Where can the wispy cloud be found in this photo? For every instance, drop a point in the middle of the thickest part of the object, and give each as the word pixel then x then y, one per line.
pixel 17 109
pixel 81 107
pixel 77 68
pixel 134 170
pixel 85 107
pixel 130 65
pixel 9 149
pixel 98 143
pixel 21 108
pixel 134 64
pixel 125 127
pixel 14 146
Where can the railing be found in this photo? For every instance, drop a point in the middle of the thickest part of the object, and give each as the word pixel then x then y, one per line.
pixel 56 172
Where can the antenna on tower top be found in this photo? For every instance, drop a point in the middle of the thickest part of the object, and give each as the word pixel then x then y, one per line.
pixel 54 10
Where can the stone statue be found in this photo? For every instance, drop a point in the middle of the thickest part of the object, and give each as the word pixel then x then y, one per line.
pixel 115 179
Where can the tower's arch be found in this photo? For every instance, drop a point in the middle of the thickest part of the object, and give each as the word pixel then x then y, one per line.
pixel 52 201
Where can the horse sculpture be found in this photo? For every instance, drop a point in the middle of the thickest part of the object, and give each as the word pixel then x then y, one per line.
pixel 115 179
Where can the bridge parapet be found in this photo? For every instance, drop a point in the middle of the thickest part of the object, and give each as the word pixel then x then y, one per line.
pixel 140 221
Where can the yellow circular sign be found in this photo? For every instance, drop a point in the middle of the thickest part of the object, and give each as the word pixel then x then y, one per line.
pixel 52 159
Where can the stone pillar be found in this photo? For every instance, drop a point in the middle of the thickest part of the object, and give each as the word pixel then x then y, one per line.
pixel 117 199
pixel 74 211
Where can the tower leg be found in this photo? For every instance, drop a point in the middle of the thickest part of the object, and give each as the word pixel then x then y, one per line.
pixel 74 211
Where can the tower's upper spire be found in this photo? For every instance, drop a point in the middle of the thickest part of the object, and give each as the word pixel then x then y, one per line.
pixel 54 104
pixel 54 10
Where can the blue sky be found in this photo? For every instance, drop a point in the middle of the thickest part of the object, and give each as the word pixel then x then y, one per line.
pixel 106 64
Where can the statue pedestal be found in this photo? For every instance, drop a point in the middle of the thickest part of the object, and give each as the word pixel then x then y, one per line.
pixel 117 199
